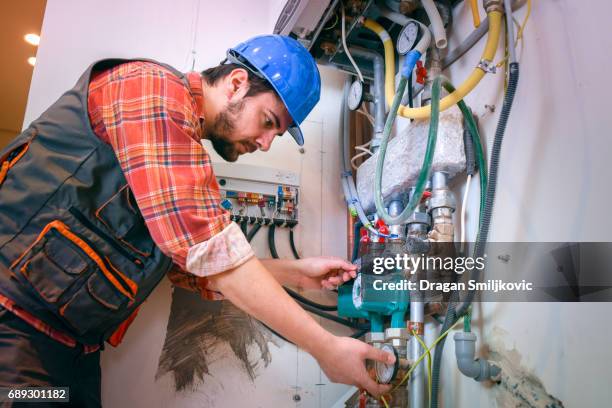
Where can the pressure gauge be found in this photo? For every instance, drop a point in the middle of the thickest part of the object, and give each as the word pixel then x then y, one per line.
pixel 355 96
pixel 386 373
pixel 357 293
pixel 407 38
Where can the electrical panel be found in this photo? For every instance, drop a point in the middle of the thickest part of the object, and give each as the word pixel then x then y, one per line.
pixel 259 195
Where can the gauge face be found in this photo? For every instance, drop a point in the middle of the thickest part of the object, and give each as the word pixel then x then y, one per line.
pixel 407 38
pixel 385 373
pixel 357 294
pixel 355 95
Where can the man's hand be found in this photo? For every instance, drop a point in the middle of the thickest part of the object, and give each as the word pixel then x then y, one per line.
pixel 343 361
pixel 324 272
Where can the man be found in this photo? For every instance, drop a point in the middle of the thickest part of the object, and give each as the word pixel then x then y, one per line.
pixel 110 190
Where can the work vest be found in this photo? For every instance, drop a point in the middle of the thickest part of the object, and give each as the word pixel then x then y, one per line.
pixel 74 248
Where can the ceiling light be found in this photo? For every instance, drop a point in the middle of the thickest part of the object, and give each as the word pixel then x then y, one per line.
pixel 32 61
pixel 33 39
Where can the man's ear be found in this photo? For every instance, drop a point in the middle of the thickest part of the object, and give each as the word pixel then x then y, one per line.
pixel 237 84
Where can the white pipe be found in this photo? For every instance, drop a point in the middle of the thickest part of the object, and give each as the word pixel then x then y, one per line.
pixel 346 50
pixel 510 31
pixel 402 20
pixel 437 26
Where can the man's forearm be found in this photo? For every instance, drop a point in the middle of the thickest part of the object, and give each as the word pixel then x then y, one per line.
pixel 285 271
pixel 252 288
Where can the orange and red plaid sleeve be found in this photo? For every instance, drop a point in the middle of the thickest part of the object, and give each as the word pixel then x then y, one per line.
pixel 151 120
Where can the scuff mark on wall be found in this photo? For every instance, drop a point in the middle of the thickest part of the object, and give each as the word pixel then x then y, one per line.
pixel 519 387
pixel 197 327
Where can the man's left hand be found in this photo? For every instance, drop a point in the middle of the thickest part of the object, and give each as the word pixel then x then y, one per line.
pixel 325 272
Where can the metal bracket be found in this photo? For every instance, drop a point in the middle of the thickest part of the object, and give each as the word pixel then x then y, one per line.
pixel 487 66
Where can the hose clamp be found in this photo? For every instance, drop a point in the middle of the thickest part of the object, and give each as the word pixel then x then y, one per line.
pixel 487 66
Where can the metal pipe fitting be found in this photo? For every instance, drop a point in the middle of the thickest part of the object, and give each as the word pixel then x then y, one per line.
pixel 395 209
pixel 378 64
pixel 493 5
pixel 476 368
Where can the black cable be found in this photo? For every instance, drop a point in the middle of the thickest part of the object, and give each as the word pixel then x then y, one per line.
pixel 243 227
pixel 293 294
pixel 271 243
pixel 334 318
pixel 355 335
pixel 306 301
pixel 292 244
pixel 253 232
pixel 453 312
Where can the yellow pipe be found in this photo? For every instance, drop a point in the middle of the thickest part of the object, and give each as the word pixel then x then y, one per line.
pixel 475 14
pixel 495 23
pixel 389 57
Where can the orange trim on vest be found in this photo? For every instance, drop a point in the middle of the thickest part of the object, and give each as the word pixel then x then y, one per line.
pixel 131 284
pixel 65 231
pixel 117 337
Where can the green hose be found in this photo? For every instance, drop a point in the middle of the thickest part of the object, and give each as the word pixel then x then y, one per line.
pixel 415 199
pixel 471 123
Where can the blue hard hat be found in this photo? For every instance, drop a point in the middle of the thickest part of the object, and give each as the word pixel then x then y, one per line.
pixel 289 68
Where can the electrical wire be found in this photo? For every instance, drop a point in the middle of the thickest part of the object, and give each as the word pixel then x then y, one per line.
pixel 253 232
pixel 296 255
pixel 346 49
pixel 317 308
pixel 271 243
pixel 422 343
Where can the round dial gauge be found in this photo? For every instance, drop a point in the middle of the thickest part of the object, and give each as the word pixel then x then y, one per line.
pixel 407 38
pixel 385 373
pixel 355 95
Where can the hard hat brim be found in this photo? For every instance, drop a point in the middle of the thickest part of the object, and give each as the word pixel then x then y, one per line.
pixel 296 132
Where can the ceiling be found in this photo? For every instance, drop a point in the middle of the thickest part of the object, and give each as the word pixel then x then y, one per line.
pixel 17 18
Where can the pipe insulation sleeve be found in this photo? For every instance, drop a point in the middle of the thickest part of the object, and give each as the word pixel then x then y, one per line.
pixel 437 25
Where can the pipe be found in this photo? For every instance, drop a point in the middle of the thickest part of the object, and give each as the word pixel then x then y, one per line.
pixel 253 232
pixel 473 38
pixel 427 160
pixel 475 14
pixel 417 379
pixel 348 184
pixel 378 64
pixel 478 369
pixel 461 91
pixel 437 25
pixel 402 20
pixel 453 312
pixel 510 31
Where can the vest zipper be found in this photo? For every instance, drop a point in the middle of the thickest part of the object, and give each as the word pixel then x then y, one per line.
pixel 109 240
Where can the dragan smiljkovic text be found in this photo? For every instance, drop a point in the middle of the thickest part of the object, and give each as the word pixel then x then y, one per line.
pixel 491 285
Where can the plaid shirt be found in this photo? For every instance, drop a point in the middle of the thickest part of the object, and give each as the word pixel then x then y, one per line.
pixel 152 121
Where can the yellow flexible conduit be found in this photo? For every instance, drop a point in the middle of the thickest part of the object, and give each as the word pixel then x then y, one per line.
pixel 495 23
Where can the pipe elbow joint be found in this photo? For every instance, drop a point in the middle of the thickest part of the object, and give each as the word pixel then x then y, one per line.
pixel 478 369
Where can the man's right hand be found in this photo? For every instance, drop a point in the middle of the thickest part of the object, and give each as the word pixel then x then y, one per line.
pixel 343 361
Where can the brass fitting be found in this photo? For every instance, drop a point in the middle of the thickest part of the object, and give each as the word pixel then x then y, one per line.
pixel 493 5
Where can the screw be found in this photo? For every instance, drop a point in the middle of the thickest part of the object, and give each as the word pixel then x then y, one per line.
pixel 297 398
pixel 504 258
pixel 490 108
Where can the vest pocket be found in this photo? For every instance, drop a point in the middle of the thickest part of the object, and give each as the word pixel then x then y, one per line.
pixel 73 279
pixel 120 215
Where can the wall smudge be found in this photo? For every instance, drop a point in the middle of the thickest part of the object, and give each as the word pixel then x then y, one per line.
pixel 519 387
pixel 196 327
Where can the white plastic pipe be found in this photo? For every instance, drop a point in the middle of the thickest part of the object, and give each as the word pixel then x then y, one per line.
pixel 437 26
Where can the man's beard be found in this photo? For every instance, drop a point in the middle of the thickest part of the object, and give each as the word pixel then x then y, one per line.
pixel 222 127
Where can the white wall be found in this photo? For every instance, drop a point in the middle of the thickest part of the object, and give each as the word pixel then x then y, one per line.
pixel 76 33
pixel 553 186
